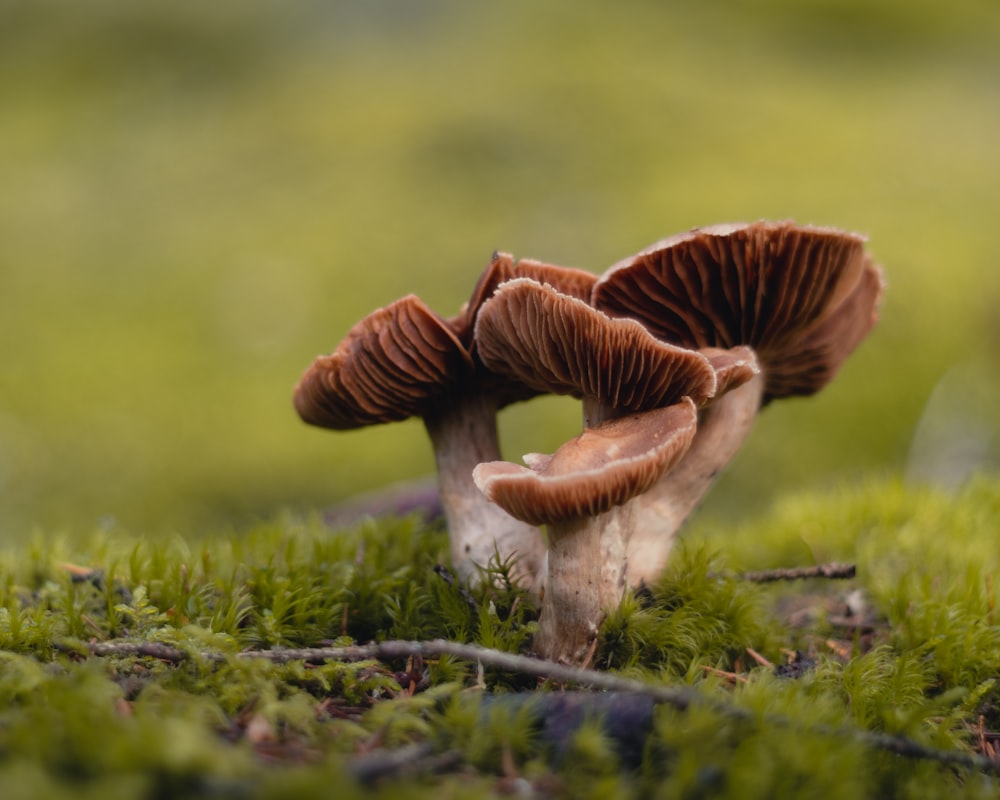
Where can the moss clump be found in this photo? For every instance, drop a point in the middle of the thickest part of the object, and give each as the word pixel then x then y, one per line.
pixel 917 659
pixel 693 617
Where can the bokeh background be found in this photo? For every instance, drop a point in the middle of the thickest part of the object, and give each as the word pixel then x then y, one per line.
pixel 197 198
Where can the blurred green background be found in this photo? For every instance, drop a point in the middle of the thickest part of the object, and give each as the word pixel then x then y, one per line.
pixel 197 198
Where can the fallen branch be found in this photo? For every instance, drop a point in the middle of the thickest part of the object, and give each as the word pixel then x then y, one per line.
pixel 679 697
pixel 832 570
pixel 162 652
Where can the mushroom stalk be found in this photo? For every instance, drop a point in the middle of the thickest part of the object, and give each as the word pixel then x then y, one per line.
pixel 662 510
pixel 582 493
pixel 585 579
pixel 464 434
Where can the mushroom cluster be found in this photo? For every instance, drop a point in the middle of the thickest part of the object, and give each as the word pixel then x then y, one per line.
pixel 406 361
pixel 672 352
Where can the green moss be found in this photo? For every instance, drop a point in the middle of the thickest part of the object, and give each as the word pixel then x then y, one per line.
pixel 217 724
pixel 693 617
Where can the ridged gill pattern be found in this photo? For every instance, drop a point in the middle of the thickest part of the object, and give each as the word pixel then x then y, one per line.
pixel 502 268
pixel 556 343
pixel 769 285
pixel 391 365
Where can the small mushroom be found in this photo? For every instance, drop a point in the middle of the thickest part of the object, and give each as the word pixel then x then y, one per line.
pixel 556 343
pixel 802 298
pixel 579 493
pixel 404 360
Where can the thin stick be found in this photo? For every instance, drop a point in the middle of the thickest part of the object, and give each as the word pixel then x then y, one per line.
pixel 679 697
pixel 163 652
pixel 832 570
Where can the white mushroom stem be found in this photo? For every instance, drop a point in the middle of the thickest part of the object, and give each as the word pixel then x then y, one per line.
pixel 662 510
pixel 585 579
pixel 464 434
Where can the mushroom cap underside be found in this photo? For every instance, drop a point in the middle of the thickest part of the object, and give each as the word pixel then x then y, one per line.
pixel 504 267
pixel 556 343
pixel 769 285
pixel 392 365
pixel 603 467
pixel 820 353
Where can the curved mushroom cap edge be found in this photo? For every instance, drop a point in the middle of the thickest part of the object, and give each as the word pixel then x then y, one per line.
pixel 603 467
pixel 556 343
pixel 391 365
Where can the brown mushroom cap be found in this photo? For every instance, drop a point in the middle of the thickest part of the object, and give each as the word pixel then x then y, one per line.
pixel 392 365
pixel 556 343
pixel 824 348
pixel 502 268
pixel 603 467
pixel 401 359
pixel 733 367
pixel 768 285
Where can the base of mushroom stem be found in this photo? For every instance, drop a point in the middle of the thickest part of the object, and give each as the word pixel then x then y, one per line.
pixel 585 579
pixel 524 570
pixel 483 536
pixel 576 650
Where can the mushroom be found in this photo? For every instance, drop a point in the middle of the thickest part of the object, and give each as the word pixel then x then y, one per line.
pixel 801 297
pixel 579 493
pixel 551 342
pixel 404 360
pixel 639 399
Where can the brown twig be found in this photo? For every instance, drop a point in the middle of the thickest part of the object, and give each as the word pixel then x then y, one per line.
pixel 156 650
pixel 679 697
pixel 761 661
pixel 832 570
pixel 731 677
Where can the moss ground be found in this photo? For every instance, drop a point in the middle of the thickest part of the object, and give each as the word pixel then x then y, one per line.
pixel 790 677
